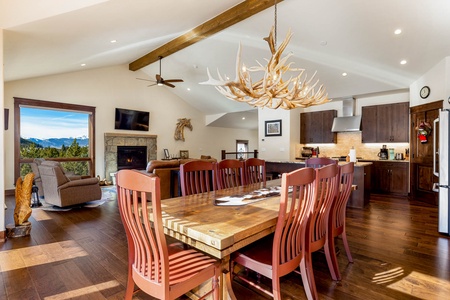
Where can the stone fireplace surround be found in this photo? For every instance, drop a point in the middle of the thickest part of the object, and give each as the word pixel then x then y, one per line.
pixel 112 140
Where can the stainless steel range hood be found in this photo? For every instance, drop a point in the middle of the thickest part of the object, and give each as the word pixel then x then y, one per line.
pixel 348 122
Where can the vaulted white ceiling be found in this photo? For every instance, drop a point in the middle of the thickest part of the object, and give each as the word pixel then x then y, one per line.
pixel 352 36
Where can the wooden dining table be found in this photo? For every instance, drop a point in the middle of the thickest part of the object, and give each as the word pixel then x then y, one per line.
pixel 220 230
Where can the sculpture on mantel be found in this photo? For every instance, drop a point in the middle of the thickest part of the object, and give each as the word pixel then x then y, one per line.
pixel 179 130
pixel 22 211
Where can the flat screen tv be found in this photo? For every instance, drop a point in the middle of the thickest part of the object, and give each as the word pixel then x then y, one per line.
pixel 128 119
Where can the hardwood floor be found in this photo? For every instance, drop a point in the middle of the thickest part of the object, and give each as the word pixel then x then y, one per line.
pixel 82 254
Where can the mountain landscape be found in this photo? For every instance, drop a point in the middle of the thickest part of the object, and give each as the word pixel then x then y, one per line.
pixel 55 142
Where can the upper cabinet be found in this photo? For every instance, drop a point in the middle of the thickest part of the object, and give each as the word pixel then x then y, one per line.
pixel 385 123
pixel 315 127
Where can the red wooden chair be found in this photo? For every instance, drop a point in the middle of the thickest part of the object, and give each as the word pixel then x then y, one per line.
pixel 255 171
pixel 230 173
pixel 326 183
pixel 336 220
pixel 160 270
pixel 197 177
pixel 281 253
pixel 318 162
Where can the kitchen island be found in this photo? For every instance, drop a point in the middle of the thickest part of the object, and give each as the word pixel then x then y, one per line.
pixel 361 178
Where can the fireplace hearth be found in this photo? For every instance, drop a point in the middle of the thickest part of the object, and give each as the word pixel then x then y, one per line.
pixel 131 157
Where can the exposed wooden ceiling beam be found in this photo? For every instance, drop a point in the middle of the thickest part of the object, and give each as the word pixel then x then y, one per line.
pixel 230 17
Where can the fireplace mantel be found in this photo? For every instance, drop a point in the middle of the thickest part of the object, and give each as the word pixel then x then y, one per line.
pixel 112 140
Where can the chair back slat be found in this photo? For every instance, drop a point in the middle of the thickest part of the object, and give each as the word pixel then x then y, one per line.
pixel 147 245
pixel 282 253
pixel 297 194
pixel 255 171
pixel 154 266
pixel 197 177
pixel 338 209
pixel 326 188
pixel 230 173
pixel 336 219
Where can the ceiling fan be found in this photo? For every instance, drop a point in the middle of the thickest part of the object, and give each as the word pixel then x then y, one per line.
pixel 159 80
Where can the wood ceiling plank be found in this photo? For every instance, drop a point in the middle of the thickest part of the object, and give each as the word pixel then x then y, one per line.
pixel 226 19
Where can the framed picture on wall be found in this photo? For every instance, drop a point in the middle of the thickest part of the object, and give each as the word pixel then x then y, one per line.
pixel 166 154
pixel 273 128
pixel 184 154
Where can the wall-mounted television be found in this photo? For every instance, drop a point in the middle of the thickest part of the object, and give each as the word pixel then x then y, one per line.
pixel 128 119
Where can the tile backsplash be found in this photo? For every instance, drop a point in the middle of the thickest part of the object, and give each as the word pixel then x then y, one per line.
pixel 347 140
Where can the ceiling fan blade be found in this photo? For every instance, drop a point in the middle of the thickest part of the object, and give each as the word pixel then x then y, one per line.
pixel 174 80
pixel 168 84
pixel 146 79
pixel 152 84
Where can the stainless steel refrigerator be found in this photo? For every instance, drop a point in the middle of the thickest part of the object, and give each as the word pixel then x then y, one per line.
pixel 441 162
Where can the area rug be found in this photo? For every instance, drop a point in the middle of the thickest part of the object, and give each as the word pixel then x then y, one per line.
pixel 108 194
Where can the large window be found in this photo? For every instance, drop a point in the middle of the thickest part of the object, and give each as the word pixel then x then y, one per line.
pixel 55 131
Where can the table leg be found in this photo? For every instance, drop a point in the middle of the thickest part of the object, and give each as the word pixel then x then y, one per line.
pixel 225 281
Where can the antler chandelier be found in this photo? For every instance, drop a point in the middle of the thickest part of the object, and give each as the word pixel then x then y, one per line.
pixel 271 90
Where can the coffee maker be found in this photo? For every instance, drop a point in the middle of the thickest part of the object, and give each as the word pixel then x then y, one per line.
pixel 383 154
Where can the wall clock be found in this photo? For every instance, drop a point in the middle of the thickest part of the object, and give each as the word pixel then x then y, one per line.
pixel 424 92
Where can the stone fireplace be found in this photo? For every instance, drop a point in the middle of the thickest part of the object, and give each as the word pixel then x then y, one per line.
pixel 113 140
pixel 131 157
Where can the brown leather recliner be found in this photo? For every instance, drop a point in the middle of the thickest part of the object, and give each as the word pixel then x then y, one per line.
pixel 37 176
pixel 59 190
pixel 167 171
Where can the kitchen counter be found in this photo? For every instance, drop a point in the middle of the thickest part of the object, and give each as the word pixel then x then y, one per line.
pixel 385 160
pixel 361 178
pixel 289 166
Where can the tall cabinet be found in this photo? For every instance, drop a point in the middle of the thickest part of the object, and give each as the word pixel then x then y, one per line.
pixel 385 123
pixel 315 127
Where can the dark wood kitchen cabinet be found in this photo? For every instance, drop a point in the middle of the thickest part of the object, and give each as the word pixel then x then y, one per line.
pixel 385 123
pixel 421 155
pixel 315 127
pixel 390 177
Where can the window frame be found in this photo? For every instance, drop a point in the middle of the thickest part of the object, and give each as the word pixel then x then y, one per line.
pixel 21 102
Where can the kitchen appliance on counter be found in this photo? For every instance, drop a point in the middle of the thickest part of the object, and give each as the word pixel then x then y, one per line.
pixel 310 151
pixel 383 154
pixel 441 158
pixel 391 154
pixel 398 156
pixel 307 152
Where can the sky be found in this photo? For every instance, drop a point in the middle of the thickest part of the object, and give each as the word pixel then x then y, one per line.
pixel 44 123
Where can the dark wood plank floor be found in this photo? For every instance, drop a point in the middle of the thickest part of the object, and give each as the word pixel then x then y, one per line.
pixel 82 254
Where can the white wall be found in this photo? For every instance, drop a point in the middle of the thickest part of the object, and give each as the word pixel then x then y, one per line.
pixel 2 142
pixel 108 88
pixel 437 79
pixel 276 148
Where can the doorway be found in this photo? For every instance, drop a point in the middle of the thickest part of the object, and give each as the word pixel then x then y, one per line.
pixel 242 149
pixel 421 153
